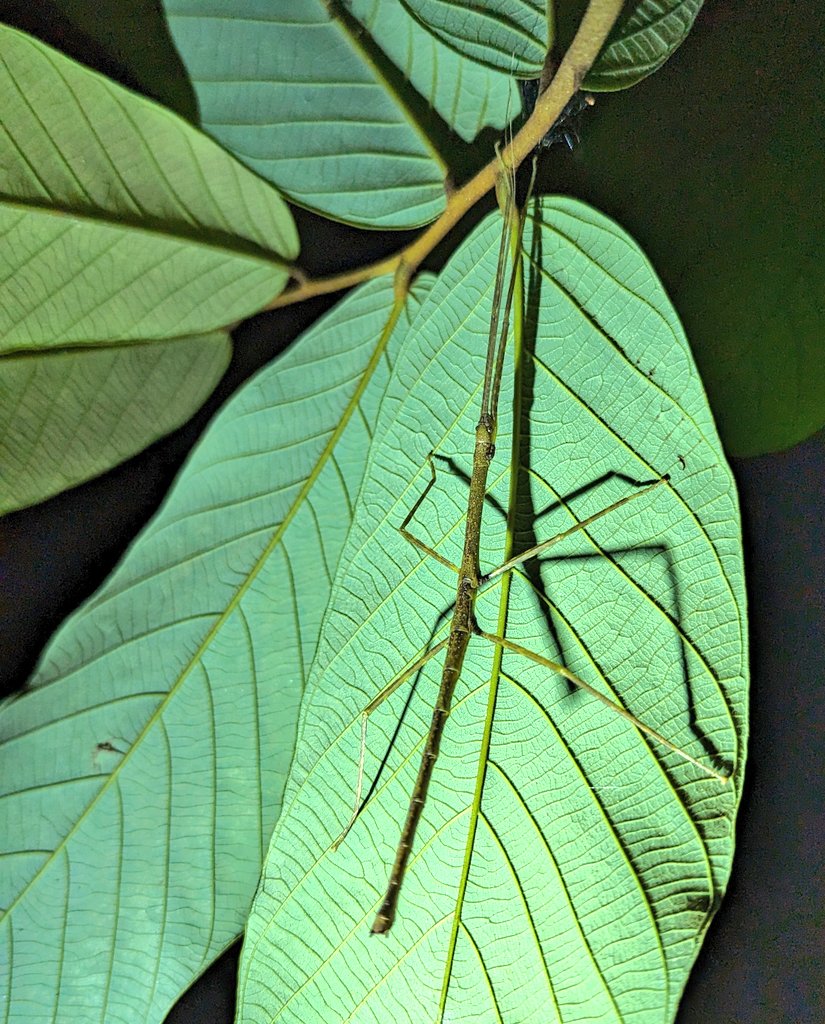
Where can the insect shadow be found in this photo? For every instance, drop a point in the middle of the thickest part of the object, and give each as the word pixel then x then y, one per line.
pixel 526 537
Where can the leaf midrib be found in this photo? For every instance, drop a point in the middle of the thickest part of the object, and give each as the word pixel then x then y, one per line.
pixel 152 227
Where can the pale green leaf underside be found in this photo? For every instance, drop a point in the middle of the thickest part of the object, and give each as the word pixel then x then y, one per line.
pixel 67 416
pixel 118 220
pixel 334 102
pixel 510 37
pixel 568 873
pixel 648 35
pixel 143 770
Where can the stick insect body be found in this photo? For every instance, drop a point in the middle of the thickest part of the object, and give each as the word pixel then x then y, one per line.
pixel 463 623
pixel 470 579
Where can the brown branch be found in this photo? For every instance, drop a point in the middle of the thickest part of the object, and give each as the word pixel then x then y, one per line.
pixel 597 22
pixel 308 287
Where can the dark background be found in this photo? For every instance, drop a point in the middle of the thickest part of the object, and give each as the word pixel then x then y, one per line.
pixel 762 961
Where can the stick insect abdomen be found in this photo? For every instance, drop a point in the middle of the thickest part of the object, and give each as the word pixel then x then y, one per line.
pixel 461 628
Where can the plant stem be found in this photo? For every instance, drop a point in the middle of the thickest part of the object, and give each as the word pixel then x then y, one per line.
pixel 592 32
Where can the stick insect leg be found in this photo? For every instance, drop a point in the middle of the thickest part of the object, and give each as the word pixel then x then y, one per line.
pixel 554 666
pixel 525 556
pixel 415 541
pixel 388 691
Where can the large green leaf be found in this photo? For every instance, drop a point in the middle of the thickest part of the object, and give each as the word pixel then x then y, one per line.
pixel 121 224
pixel 349 108
pixel 143 770
pixel 566 867
pixel 68 415
pixel 647 35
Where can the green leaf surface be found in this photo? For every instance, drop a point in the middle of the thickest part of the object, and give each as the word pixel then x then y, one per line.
pixel 66 416
pixel 143 769
pixel 715 165
pixel 353 109
pixel 565 867
pixel 648 33
pixel 127 40
pixel 510 37
pixel 119 220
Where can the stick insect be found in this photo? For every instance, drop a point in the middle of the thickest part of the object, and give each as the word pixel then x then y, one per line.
pixel 470 579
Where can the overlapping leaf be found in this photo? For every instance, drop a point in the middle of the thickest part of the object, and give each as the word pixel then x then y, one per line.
pixel 649 32
pixel 349 108
pixel 120 220
pixel 143 770
pixel 566 866
pixel 511 37
pixel 120 224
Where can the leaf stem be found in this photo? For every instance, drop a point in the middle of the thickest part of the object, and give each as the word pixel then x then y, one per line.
pixel 595 26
